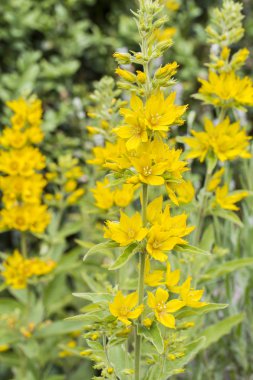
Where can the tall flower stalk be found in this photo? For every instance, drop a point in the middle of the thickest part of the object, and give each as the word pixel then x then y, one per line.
pixel 150 316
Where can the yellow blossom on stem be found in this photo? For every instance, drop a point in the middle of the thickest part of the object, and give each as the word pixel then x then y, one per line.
pixel 125 74
pixel 191 297
pixel 148 171
pixel 124 307
pixel 228 200
pixel 215 180
pixel 163 310
pixel 127 231
pixel 165 34
pixel 154 210
pixel 103 195
pixel 124 195
pixel 163 237
pixel 161 113
pixel 134 130
pixel 154 278
pixel 227 141
pixel 172 279
pixel 17 269
pixel 182 192
pixel 226 90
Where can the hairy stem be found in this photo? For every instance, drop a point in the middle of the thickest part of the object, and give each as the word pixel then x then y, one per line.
pixel 141 285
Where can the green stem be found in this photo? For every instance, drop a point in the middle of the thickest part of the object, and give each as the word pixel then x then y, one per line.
pixel 23 244
pixel 202 211
pixel 142 256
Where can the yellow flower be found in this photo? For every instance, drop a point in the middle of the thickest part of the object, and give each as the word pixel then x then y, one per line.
pixel 148 171
pixel 227 141
pixel 25 189
pixel 190 296
pixel 172 279
pixel 4 347
pixel 17 269
pixel 172 5
pixel 127 231
pixel 185 192
pixel 70 186
pixel 26 111
pixel 23 162
pixel 163 310
pixel 141 76
pixel 38 267
pixel 34 218
pixel 161 113
pixel 75 196
pixel 227 201
pixel 226 90
pixel 154 210
pixel 215 180
pixel 124 196
pixel 125 74
pixel 134 130
pixel 167 234
pixel 154 278
pixel 147 322
pixel 164 34
pixel 122 307
pixel 103 195
pixel 166 71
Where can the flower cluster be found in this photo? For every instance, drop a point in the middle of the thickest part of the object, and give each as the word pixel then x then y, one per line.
pixel 21 163
pixel 139 157
pixel 224 87
pixel 226 141
pixel 223 140
pixel 106 196
pixel 66 175
pixel 17 270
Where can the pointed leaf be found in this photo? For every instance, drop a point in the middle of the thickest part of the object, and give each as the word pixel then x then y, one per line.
pixel 219 329
pixel 100 248
pixel 189 312
pixel 228 215
pixel 186 248
pixel 227 267
pixel 95 297
pixel 124 257
pixel 153 334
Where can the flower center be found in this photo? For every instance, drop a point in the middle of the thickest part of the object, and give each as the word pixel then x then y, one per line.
pixel 131 233
pixel 147 171
pixel 156 244
pixel 124 311
pixel 160 306
pixel 155 119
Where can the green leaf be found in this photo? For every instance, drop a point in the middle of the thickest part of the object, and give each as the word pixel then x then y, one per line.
pixel 208 238
pixel 186 248
pixel 202 310
pixel 124 257
pixel 213 333
pixel 153 334
pixel 95 297
pixel 226 268
pixel 58 328
pixel 228 215
pixel 100 248
pixel 92 317
pixel 8 305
